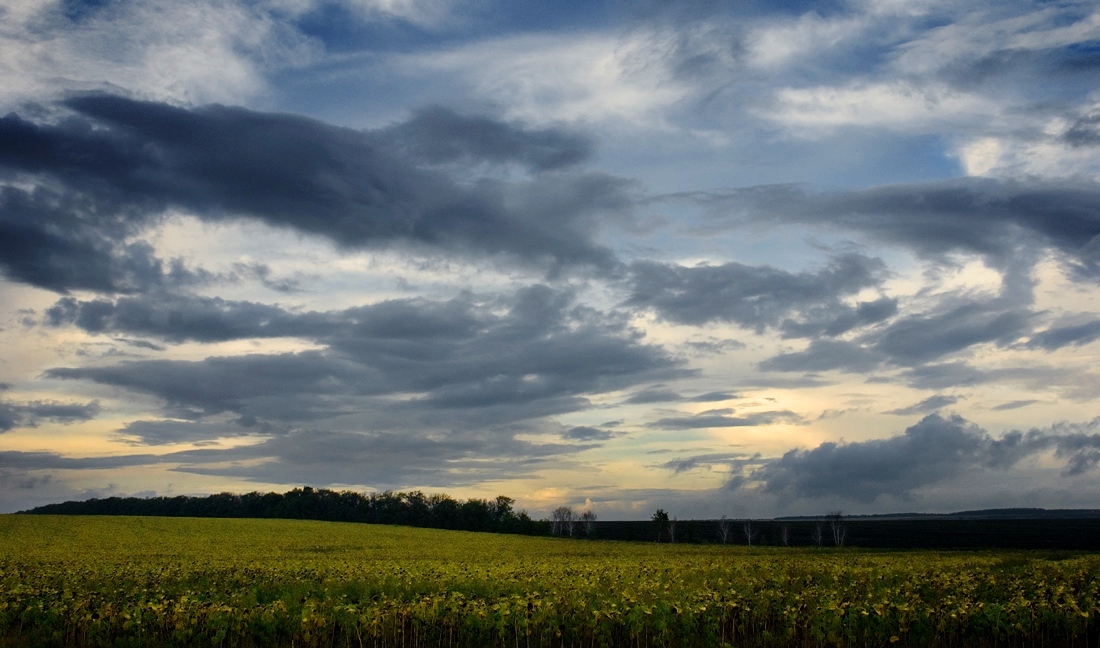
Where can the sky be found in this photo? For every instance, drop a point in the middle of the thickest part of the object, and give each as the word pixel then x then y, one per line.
pixel 735 257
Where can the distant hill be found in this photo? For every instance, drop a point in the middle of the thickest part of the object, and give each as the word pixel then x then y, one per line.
pixel 980 514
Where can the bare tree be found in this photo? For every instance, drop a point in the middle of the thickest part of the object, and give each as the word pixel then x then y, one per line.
pixel 725 530
pixel 588 519
pixel 818 535
pixel 785 534
pixel 750 531
pixel 562 520
pixel 837 528
pixel 672 530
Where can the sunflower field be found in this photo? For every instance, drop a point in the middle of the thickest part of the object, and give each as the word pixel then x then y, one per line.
pixel 137 581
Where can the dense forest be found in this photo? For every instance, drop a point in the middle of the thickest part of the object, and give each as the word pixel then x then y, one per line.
pixel 438 511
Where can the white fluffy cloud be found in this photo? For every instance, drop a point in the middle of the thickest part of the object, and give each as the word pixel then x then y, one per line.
pixel 895 105
pixel 578 78
pixel 191 52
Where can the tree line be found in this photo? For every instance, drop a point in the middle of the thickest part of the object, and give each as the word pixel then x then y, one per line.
pixel 438 511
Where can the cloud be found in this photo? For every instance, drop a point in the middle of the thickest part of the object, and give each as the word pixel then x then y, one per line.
pixel 923 338
pixel 578 77
pixel 760 297
pixel 379 459
pixel 930 404
pixel 25 461
pixel 29 414
pixel 994 219
pixel 1011 405
pixel 988 46
pixel 425 13
pixel 586 433
pixel 1085 131
pixel 826 355
pixel 782 42
pixel 202 51
pixel 1057 337
pixel 711 397
pixel 934 450
pixel 116 166
pixel 817 111
pixel 61 242
pixel 654 394
pixel 181 317
pixel 945 375
pixel 724 418
pixel 165 432
pixel 518 357
pixel 687 464
pixel 439 135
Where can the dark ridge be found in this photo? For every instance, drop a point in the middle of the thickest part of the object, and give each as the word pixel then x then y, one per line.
pixel 980 514
pixel 1069 533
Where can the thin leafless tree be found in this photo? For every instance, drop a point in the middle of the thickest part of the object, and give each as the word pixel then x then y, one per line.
pixel 837 528
pixel 562 521
pixel 672 530
pixel 785 534
pixel 588 520
pixel 725 530
pixel 750 531
pixel 818 535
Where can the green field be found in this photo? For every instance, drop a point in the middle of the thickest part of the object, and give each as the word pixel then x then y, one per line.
pixel 114 581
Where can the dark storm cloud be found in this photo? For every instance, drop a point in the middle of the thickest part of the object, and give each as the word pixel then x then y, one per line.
pixel 62 241
pixel 760 297
pixel 923 338
pixel 988 217
pixel 586 433
pixel 655 394
pixel 1011 405
pixel 687 464
pixel 837 319
pixel 826 355
pixel 440 135
pixel 383 459
pixel 527 355
pixel 945 375
pixel 21 461
pixel 1021 65
pixel 930 404
pixel 1084 132
pixel 955 323
pixel 325 457
pixel 711 397
pixel 117 165
pixel 1057 337
pixel 176 431
pixel 722 418
pixel 183 317
pixel 292 385
pixel 15 415
pixel 934 450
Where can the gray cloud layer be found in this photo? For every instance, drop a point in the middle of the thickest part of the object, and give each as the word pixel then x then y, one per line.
pixel 16 415
pixel 540 356
pixel 936 449
pixel 991 218
pixel 757 297
pixel 115 165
